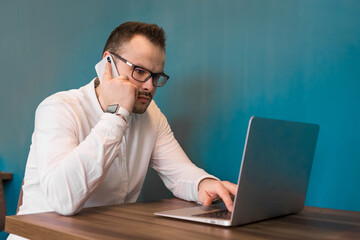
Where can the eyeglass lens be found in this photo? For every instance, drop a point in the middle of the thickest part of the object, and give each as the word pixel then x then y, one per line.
pixel 142 75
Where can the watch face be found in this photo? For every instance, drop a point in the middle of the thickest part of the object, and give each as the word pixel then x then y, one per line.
pixel 112 108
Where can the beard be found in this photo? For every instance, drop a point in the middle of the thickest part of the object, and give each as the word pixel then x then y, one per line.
pixel 139 106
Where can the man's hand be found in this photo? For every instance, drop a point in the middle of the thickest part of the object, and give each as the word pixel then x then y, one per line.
pixel 117 90
pixel 210 189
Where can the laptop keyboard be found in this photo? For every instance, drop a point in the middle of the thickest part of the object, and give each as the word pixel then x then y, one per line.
pixel 221 214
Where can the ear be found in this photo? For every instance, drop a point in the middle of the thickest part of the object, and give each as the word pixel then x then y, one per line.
pixel 106 53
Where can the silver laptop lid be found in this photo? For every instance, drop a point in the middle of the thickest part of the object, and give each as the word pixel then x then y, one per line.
pixel 275 169
pixel 274 173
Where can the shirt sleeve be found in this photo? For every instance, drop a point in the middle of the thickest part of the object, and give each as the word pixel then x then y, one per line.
pixel 70 170
pixel 176 170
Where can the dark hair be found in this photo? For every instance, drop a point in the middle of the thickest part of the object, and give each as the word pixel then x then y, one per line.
pixel 126 31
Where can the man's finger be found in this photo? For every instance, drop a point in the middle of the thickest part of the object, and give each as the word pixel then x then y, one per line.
pixel 225 196
pixel 107 74
pixel 205 199
pixel 209 189
pixel 232 188
pixel 123 77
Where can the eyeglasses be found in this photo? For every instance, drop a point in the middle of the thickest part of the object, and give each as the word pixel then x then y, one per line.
pixel 141 74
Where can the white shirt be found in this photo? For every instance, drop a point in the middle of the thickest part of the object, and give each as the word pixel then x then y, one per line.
pixel 83 157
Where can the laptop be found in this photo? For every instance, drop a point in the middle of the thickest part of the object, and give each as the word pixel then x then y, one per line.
pixel 273 178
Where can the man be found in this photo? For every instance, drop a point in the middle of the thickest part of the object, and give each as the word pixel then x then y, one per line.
pixel 85 152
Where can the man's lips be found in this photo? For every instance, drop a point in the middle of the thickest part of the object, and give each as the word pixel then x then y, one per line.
pixel 144 97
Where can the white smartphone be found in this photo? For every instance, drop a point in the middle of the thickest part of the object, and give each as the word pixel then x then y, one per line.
pixel 100 67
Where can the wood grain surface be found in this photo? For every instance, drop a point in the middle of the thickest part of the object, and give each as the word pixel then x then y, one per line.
pixel 6 175
pixel 136 221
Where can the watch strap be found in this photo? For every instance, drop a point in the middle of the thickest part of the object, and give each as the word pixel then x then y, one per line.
pixel 125 113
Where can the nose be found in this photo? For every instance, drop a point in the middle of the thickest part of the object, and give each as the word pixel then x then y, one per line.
pixel 148 85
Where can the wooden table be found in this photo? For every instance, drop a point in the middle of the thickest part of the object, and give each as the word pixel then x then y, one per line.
pixel 6 176
pixel 136 221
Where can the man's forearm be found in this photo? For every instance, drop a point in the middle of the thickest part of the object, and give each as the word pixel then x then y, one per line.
pixel 69 172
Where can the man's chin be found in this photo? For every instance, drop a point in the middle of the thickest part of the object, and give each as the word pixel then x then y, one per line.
pixel 140 108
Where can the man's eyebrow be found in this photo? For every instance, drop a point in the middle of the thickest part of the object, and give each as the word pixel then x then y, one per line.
pixel 139 65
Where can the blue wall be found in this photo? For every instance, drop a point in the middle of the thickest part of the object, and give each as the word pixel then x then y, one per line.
pixel 228 60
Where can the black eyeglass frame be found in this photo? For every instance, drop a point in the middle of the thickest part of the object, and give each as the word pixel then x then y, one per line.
pixel 152 75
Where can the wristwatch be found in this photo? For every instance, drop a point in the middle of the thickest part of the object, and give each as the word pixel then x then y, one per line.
pixel 117 109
